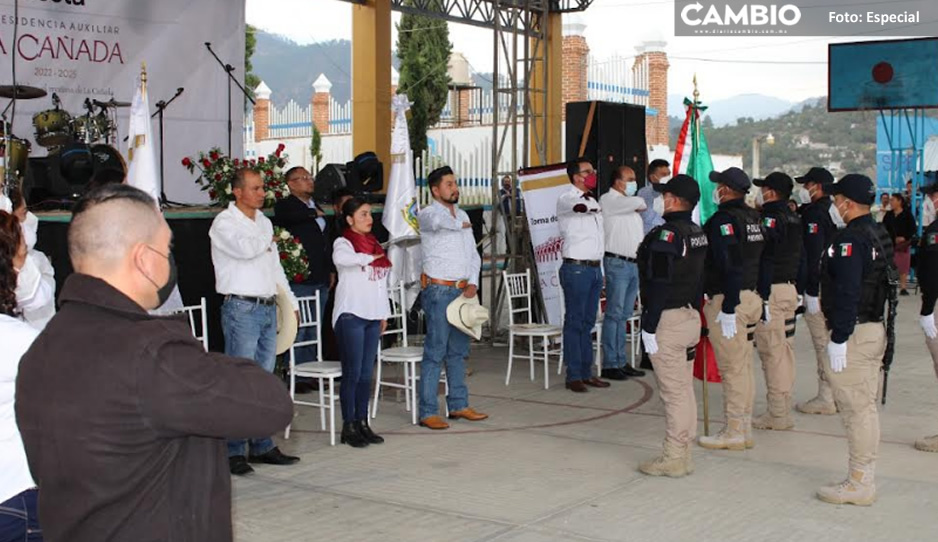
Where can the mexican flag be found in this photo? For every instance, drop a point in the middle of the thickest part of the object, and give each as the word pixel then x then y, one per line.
pixel 692 157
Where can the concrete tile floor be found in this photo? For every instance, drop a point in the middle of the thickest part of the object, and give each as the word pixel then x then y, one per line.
pixel 550 465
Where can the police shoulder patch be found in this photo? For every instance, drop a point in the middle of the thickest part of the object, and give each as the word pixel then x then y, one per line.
pixel 845 249
pixel 667 236
pixel 768 222
pixel 812 227
pixel 931 239
pixel 726 229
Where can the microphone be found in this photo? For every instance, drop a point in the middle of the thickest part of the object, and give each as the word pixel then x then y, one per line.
pixel 55 100
pixel 179 91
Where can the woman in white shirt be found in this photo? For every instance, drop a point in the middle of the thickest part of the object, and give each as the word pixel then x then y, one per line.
pixel 18 493
pixel 359 317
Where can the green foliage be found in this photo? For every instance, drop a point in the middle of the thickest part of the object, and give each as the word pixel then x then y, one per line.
pixel 315 149
pixel 424 48
pixel 251 80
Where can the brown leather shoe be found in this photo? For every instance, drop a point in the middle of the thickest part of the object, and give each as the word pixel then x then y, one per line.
pixel 577 386
pixel 596 383
pixel 434 422
pixel 467 414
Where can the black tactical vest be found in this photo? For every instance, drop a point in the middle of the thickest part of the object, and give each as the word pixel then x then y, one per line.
pixel 688 269
pixel 788 251
pixel 874 288
pixel 748 226
pixel 819 212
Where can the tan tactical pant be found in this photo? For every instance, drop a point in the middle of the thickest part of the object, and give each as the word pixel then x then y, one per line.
pixel 855 390
pixel 820 336
pixel 678 330
pixel 774 341
pixel 932 345
pixel 734 356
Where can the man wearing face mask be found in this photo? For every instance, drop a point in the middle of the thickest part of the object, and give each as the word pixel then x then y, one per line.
pixel 124 415
pixel 622 226
pixel 927 273
pixel 854 290
pixel 818 232
pixel 581 226
pixel 736 240
pixel 659 171
pixel 37 300
pixel 247 274
pixel 778 271
pixel 671 265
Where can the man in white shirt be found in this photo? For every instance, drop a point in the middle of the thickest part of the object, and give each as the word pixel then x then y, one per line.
pixel 581 226
pixel 451 265
pixel 247 273
pixel 622 225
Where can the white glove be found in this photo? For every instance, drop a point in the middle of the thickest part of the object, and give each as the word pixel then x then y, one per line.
pixel 650 340
pixel 812 304
pixel 838 355
pixel 928 325
pixel 728 323
pixel 766 315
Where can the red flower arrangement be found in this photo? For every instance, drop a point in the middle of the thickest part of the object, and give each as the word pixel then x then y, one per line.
pixel 216 171
pixel 293 257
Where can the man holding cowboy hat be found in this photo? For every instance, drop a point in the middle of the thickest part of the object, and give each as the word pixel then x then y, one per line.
pixel 451 267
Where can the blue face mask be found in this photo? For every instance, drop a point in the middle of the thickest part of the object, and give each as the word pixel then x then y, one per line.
pixel 631 188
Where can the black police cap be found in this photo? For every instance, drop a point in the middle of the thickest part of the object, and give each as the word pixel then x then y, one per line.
pixel 682 186
pixel 777 181
pixel 733 177
pixel 816 175
pixel 855 187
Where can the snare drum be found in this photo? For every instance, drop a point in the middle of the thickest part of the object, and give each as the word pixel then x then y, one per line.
pixel 53 127
pixel 19 153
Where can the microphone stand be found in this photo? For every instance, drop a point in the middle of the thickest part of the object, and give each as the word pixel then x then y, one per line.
pixel 160 107
pixel 231 78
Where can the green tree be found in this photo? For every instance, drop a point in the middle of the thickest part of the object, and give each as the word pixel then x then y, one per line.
pixel 251 80
pixel 315 148
pixel 424 48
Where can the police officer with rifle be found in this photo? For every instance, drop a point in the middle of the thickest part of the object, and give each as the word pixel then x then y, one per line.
pixel 857 279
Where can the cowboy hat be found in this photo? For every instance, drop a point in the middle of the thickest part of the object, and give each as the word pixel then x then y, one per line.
pixel 467 315
pixel 286 321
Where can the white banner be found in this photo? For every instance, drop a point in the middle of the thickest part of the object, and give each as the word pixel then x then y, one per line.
pixel 93 49
pixel 541 188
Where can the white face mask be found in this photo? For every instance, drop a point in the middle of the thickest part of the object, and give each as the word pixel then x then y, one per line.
pixel 760 198
pixel 716 196
pixel 803 195
pixel 928 211
pixel 30 229
pixel 630 188
pixel 658 205
pixel 665 179
pixel 835 216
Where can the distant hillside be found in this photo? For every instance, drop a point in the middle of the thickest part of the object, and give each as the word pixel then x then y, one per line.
pixel 806 136
pixel 727 111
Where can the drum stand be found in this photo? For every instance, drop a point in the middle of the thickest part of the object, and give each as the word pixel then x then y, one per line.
pixel 9 176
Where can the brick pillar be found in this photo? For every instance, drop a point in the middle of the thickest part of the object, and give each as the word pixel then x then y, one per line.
pixel 261 112
pixel 575 61
pixel 462 98
pixel 395 81
pixel 320 101
pixel 653 60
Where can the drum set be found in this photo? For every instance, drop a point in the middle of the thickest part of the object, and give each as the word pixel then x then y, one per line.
pixel 78 146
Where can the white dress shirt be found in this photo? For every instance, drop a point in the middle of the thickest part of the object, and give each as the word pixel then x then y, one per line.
pixel 362 290
pixel 16 337
pixel 582 232
pixel 245 256
pixel 449 249
pixel 622 223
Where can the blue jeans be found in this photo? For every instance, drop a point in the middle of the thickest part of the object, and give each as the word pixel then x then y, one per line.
pixel 581 286
pixel 19 518
pixel 621 290
pixel 250 331
pixel 443 343
pixel 358 346
pixel 306 354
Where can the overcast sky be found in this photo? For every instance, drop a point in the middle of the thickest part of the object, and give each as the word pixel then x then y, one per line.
pixel 791 68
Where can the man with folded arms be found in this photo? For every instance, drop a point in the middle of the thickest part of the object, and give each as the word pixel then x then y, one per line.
pixel 451 267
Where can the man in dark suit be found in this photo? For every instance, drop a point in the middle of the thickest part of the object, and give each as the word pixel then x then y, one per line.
pixel 304 219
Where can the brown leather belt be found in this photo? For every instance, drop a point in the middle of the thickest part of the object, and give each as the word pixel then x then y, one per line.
pixel 426 280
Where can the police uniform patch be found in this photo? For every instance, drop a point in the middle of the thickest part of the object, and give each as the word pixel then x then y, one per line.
pixel 812 227
pixel 932 239
pixel 768 222
pixel 666 235
pixel 846 249
pixel 726 229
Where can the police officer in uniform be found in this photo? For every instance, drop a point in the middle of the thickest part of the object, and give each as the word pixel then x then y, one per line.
pixel 819 230
pixel 670 267
pixel 853 298
pixel 736 240
pixel 778 272
pixel 927 274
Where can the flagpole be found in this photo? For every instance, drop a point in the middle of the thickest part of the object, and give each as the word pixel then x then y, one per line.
pixel 706 392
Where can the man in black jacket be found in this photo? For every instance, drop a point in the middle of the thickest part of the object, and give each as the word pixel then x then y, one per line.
pixel 124 415
pixel 304 219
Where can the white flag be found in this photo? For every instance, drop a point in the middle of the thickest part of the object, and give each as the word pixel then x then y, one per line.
pixel 142 170
pixel 400 207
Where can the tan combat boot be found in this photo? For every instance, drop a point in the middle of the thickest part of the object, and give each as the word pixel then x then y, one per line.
pixel 670 463
pixel 731 437
pixel 822 404
pixel 688 459
pixel 747 432
pixel 777 417
pixel 927 444
pixel 857 489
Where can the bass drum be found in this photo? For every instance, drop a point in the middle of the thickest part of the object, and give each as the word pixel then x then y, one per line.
pixel 66 174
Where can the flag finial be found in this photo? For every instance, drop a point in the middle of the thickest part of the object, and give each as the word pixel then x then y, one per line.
pixel 696 92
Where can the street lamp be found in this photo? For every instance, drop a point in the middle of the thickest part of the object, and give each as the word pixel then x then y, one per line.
pixel 770 140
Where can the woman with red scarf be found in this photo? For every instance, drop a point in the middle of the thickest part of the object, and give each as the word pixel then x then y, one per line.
pixel 360 316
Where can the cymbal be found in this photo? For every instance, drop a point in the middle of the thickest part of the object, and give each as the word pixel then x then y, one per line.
pixel 21 92
pixel 110 103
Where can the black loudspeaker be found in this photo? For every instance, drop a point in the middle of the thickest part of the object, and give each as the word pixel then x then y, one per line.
pixel 329 178
pixel 616 138
pixel 365 173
